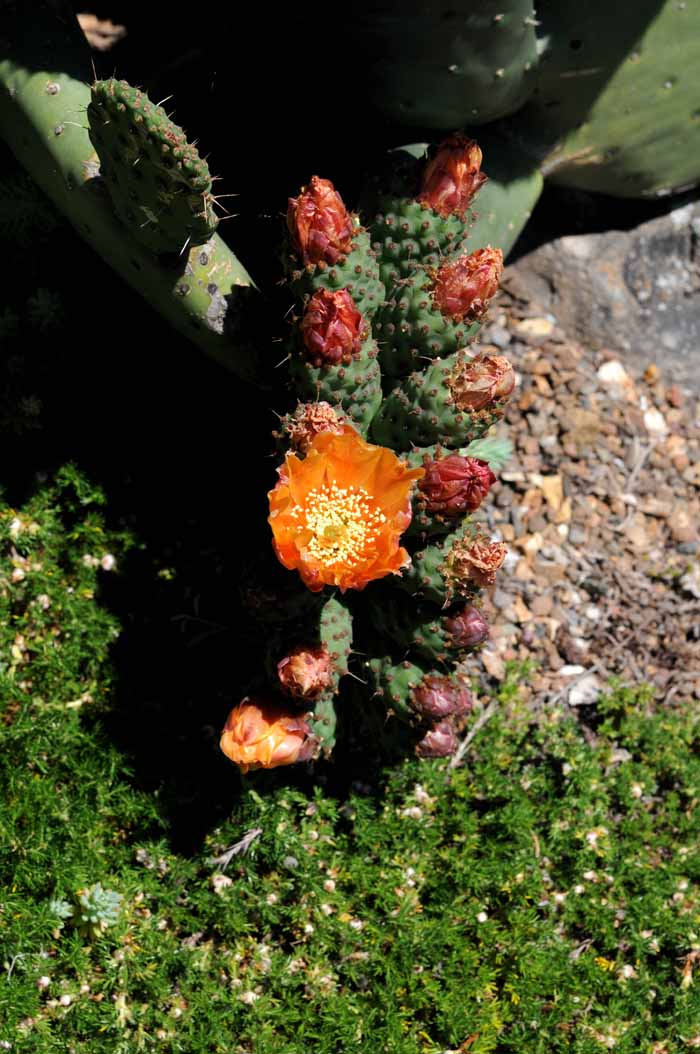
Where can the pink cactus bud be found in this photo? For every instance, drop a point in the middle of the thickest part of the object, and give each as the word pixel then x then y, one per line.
pixel 467 627
pixel 307 421
pixel 453 177
pixel 320 226
pixel 464 287
pixel 477 560
pixel 332 328
pixel 454 484
pixel 437 697
pixel 440 741
pixel 477 382
pixel 306 673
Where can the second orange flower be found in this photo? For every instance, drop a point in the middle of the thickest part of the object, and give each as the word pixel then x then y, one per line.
pixel 337 515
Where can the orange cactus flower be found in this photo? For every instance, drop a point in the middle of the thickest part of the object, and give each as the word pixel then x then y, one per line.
pixel 260 734
pixel 338 514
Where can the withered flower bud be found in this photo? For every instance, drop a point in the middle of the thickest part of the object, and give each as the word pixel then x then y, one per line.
pixel 464 287
pixel 306 673
pixel 307 421
pixel 477 560
pixel 319 225
pixel 332 328
pixel 452 177
pixel 478 382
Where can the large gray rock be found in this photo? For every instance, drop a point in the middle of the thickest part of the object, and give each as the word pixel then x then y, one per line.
pixel 636 292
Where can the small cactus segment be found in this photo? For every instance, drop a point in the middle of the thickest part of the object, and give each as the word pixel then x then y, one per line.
pixel 354 390
pixel 431 575
pixel 40 112
pixel 424 630
pixel 433 315
pixel 452 402
pixel 159 185
pixel 329 249
pixel 416 695
pixel 311 673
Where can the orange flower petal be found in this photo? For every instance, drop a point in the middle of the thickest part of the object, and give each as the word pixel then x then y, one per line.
pixel 337 515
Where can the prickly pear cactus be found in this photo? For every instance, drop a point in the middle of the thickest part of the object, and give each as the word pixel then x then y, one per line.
pixel 45 65
pixel 385 523
pixel 159 185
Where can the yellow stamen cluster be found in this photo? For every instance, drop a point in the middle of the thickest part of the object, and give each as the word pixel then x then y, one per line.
pixel 343 521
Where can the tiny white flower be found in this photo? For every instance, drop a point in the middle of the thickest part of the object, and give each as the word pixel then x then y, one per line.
pixel 326 909
pixel 15 527
pixel 17 574
pixel 108 562
pixel 43 982
pixel 329 885
pixel 356 924
pixel 579 889
pixel 271 898
pixel 482 917
pixel 248 997
pixel 636 790
pixel 65 1000
pixel 308 929
pixel 220 883
pixel 627 971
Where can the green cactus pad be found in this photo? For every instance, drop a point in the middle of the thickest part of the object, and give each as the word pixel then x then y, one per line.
pixel 336 634
pixel 358 272
pixel 427 576
pixel 410 330
pixel 446 64
pixel 394 683
pixel 355 389
pixel 416 629
pixel 159 185
pixel 41 119
pixel 617 103
pixel 421 412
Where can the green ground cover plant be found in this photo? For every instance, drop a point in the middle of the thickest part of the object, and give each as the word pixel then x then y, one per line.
pixel 542 897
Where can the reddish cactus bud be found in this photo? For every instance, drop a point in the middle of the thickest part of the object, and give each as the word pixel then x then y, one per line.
pixel 454 484
pixel 332 328
pixel 453 177
pixel 464 287
pixel 437 697
pixel 307 421
pixel 319 225
pixel 467 627
pixel 477 382
pixel 262 734
pixel 476 560
pixel 306 673
pixel 440 741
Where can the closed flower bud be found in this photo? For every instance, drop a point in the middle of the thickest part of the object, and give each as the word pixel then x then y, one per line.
pixel 260 734
pixel 452 177
pixel 478 382
pixel 320 226
pixel 437 697
pixel 454 485
pixel 306 673
pixel 476 560
pixel 440 741
pixel 464 287
pixel 332 328
pixel 467 627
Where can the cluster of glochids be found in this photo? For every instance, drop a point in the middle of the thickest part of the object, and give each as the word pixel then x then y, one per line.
pixel 378 480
